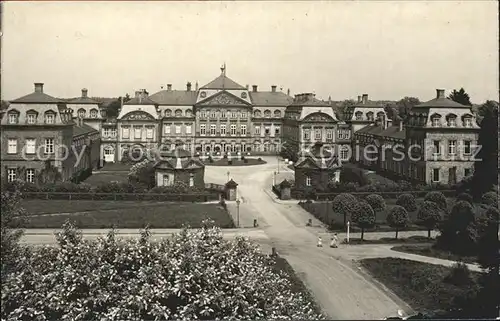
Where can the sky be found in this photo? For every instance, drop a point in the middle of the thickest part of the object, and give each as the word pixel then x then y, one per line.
pixel 386 49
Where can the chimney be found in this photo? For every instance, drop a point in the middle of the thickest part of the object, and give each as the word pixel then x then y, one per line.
pixel 247 86
pixel 169 87
pixel 188 86
pixel 440 93
pixel 196 86
pixel 39 87
pixel 144 93
pixel 254 88
pixel 359 99
pixel 273 88
pixel 365 98
pixel 288 92
pixel 84 93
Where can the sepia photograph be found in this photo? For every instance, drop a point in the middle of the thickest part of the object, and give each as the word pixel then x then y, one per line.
pixel 249 160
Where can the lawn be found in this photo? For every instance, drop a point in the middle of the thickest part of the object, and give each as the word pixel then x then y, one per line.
pixel 36 207
pixel 324 212
pixel 118 167
pixel 416 239
pixel 166 215
pixel 235 162
pixel 421 285
pixel 431 251
pixel 296 284
pixel 100 178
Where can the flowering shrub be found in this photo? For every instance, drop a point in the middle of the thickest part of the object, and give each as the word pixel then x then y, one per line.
pixel 196 274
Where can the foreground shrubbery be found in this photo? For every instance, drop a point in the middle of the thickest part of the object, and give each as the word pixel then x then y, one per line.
pixel 196 274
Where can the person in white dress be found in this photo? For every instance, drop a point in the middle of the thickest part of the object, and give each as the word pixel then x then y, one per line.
pixel 320 242
pixel 334 242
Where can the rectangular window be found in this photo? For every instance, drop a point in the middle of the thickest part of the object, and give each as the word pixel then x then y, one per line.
pixel 223 129
pixel 344 153
pixel 11 174
pixel 233 130
pixel 177 129
pixel 452 147
pixel 30 175
pixel 12 146
pixel 188 129
pixel 317 133
pixel 467 171
pixel 203 114
pixel 467 147
pixel 452 122
pixel 49 146
pixel 223 114
pixel 30 146
pixel 267 130
pixel 166 128
pixel 137 133
pixel 435 122
pixel 329 134
pixel 105 132
pixel 233 114
pixel 12 118
pixel 31 118
pixel 277 130
pixel 49 118
pixel 113 132
pixel 212 129
pixel 435 175
pixel 436 147
pixel 257 130
pixel 468 122
pixel 243 114
pixel 149 133
pixel 213 114
pixel 191 180
pixel 307 134
pixel 203 129
pixel 126 132
pixel 166 180
pixel 243 130
pixel 308 181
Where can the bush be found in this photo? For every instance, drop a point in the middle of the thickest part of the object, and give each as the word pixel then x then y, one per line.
pixel 344 204
pixel 407 201
pixel 139 279
pixel 354 175
pixel 459 275
pixel 376 201
pixel 398 218
pixel 490 198
pixel 465 197
pixel 259 159
pixel 438 198
pixel 429 215
pixel 230 162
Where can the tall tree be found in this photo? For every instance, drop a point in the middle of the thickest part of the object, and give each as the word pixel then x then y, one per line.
pixel 486 164
pixel 405 105
pixel 344 106
pixel 460 96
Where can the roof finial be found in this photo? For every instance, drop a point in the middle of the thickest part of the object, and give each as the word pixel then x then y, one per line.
pixel 223 69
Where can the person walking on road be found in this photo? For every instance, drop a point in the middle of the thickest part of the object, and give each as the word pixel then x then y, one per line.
pixel 334 242
pixel 320 242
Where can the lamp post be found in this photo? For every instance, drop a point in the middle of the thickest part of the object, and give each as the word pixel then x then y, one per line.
pixel 238 213
pixel 274 179
pixel 348 229
pixel 228 176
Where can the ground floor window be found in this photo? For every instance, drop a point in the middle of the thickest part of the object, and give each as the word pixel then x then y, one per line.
pixel 30 175
pixel 308 181
pixel 11 174
pixel 435 175
pixel 191 180
pixel 467 171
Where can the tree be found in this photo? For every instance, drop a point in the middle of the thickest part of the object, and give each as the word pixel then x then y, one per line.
pixel 11 213
pixel 391 110
pixel 490 199
pixel 459 233
pixel 405 105
pixel 429 215
pixel 193 275
pixel 438 198
pixel 363 216
pixel 376 201
pixel 460 97
pixel 143 174
pixel 486 164
pixel 343 109
pixel 398 218
pixel 407 201
pixel 343 204
pixel 465 197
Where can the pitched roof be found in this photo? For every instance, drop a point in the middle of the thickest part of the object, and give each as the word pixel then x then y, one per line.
pixel 308 99
pixel 177 159
pixel 394 132
pixel 83 130
pixel 269 98
pixel 83 100
pixel 36 98
pixel 222 82
pixel 174 97
pixel 441 103
pixel 140 101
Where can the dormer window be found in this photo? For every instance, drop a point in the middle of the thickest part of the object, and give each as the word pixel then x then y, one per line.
pixel 168 113
pixel 358 115
pixel 50 118
pixel 436 121
pixel 257 113
pixel 188 113
pixel 203 94
pixel 244 95
pixel 31 118
pixel 93 113
pixel 267 113
pixel 81 113
pixel 13 118
pixel 178 113
pixel 451 121
pixel 277 114
pixel 468 122
pixel 369 116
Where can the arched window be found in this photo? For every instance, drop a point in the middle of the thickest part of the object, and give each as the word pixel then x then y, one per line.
pixel 267 113
pixel 358 115
pixel 369 116
pixel 81 113
pixel 178 113
pixel 189 113
pixel 257 113
pixel 277 114
pixel 168 113
pixel 93 113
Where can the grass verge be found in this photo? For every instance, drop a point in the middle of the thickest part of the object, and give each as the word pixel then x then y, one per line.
pixel 169 215
pixel 422 285
pixel 431 251
pixel 389 240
